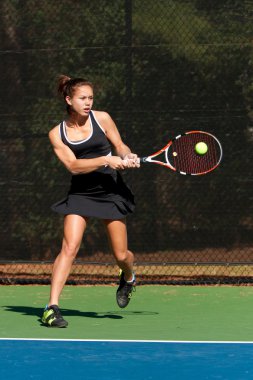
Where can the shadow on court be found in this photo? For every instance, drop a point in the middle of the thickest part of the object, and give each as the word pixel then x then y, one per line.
pixel 36 311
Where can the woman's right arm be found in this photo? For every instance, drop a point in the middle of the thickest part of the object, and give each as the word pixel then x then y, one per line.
pixel 83 165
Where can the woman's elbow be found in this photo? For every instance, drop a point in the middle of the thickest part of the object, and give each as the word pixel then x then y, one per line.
pixel 74 169
pixel 71 167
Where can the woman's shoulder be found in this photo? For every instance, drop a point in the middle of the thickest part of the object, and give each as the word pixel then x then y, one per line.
pixel 101 116
pixel 54 131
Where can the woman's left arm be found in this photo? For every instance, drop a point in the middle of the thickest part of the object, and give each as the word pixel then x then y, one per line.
pixel 114 137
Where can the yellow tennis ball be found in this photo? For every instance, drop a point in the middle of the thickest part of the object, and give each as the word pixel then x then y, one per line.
pixel 201 148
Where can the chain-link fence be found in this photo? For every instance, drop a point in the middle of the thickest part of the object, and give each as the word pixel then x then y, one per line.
pixel 159 68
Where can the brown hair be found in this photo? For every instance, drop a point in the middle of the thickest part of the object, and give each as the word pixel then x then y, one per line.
pixel 67 86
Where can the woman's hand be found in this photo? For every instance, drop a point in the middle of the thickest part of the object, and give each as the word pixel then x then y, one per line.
pixel 115 162
pixel 131 160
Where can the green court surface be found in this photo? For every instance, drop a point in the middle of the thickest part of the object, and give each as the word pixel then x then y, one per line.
pixel 218 313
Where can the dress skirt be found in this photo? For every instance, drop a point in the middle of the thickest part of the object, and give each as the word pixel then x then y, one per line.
pixel 97 194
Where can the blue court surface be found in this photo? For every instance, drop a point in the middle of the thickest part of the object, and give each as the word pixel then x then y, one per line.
pixel 96 359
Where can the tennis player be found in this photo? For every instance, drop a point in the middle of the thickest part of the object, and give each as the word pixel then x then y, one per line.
pixel 83 143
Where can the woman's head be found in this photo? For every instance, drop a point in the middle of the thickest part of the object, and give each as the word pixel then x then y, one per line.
pixel 70 87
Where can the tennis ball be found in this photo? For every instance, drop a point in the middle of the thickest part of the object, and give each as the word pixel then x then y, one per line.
pixel 201 148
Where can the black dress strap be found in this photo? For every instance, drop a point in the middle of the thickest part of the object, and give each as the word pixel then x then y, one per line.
pixel 61 131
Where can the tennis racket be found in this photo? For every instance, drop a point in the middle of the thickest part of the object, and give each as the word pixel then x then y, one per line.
pixel 180 154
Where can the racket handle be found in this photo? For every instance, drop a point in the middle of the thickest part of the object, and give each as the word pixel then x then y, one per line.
pixel 142 159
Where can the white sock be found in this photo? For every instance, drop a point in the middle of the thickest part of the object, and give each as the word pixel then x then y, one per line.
pixel 133 279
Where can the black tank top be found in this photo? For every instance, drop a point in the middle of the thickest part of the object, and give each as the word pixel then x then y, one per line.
pixel 96 145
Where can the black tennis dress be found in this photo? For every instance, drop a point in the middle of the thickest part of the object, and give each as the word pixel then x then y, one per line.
pixel 101 193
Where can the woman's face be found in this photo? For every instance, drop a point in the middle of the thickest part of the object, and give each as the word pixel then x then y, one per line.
pixel 82 100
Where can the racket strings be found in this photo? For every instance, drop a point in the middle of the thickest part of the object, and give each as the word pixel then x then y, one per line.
pixel 182 155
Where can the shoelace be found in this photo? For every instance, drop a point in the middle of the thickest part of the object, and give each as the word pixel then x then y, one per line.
pixel 57 312
pixel 129 289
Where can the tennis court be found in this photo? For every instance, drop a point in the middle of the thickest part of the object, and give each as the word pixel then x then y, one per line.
pixel 203 332
pixel 160 69
pixel 116 359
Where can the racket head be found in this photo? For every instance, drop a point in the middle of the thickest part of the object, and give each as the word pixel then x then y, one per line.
pixel 181 153
pixel 181 156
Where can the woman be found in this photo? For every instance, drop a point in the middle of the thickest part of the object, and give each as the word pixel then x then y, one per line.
pixel 83 144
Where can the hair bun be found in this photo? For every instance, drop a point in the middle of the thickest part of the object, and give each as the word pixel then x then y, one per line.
pixel 62 81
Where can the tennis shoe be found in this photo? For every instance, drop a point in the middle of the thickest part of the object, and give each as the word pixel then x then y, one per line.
pixel 124 291
pixel 52 317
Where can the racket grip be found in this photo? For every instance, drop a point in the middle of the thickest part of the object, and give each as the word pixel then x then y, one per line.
pixel 142 159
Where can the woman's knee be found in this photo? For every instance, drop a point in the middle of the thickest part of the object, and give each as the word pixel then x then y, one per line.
pixel 70 249
pixel 124 256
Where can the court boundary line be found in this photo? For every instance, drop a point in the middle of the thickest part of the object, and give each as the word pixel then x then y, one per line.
pixel 127 341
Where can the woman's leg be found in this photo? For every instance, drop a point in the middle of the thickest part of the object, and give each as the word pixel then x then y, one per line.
pixel 117 233
pixel 74 227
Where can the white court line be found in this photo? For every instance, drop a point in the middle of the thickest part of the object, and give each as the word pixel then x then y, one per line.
pixel 130 341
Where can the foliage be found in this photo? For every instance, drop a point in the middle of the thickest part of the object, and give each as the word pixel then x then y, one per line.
pixel 179 65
